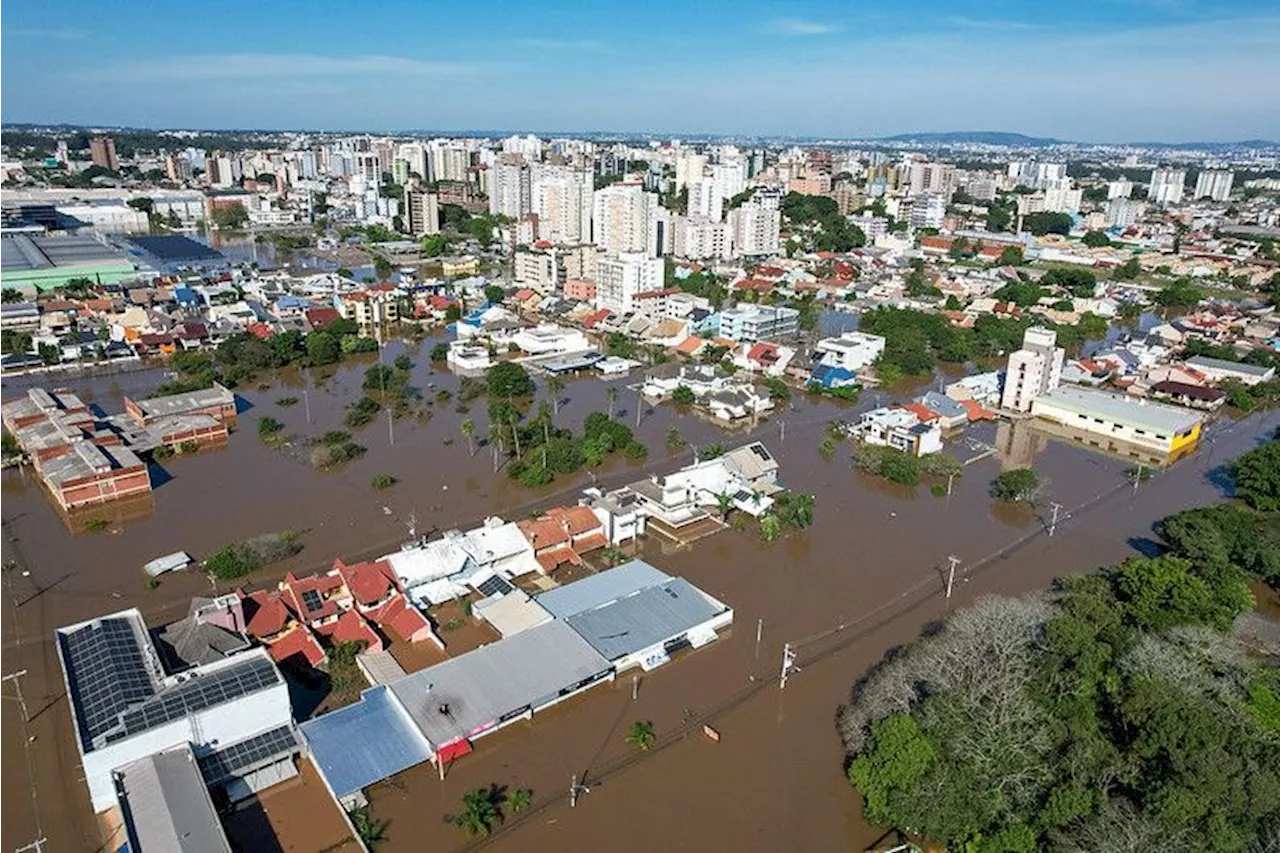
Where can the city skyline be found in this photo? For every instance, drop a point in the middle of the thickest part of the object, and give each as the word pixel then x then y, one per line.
pixel 1119 71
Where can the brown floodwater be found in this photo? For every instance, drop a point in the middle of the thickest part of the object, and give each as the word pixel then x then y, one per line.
pixel 873 562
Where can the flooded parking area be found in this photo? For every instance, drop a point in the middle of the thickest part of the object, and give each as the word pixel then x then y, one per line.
pixel 868 576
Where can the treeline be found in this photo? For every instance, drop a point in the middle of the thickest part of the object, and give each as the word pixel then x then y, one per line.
pixel 1115 713
pixel 916 341
pixel 241 357
pixel 831 231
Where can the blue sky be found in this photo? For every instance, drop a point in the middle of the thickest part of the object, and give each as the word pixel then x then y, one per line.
pixel 1106 70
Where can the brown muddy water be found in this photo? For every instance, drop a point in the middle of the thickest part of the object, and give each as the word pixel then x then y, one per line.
pixel 872 562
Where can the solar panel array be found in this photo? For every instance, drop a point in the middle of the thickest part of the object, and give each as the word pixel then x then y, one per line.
pixel 239 758
pixel 197 694
pixel 312 600
pixel 495 586
pixel 108 673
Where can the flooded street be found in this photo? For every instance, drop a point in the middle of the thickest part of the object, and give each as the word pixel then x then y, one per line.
pixel 872 562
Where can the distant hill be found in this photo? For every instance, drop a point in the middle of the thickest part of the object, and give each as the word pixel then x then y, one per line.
pixel 974 137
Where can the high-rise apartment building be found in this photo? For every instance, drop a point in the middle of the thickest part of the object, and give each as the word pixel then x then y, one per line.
pixel 620 277
pixel 756 224
pixel 561 197
pixel 102 150
pixel 509 187
pixel 927 211
pixel 622 218
pixel 421 210
pixel 705 200
pixel 935 178
pixel 1123 212
pixel 698 238
pixel 1167 186
pixel 1119 189
pixel 1033 370
pixel 1214 184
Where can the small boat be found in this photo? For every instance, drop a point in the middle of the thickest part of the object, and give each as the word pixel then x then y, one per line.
pixel 168 563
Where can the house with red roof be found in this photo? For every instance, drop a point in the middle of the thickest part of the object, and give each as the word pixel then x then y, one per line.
pixel 269 621
pixel 562 535
pixel 320 318
pixel 764 357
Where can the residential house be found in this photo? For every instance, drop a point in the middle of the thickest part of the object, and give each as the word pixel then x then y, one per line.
pixel 900 428
pixel 562 535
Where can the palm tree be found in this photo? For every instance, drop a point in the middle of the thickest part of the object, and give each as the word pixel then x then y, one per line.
pixel 726 503
pixel 612 394
pixel 468 428
pixel 520 799
pixel 802 510
pixel 770 527
pixel 642 735
pixel 479 812
pixel 556 386
pixel 495 441
pixel 675 441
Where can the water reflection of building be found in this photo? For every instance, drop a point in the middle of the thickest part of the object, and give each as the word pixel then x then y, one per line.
pixel 1018 443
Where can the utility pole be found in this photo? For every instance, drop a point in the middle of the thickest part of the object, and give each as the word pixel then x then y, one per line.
pixel 639 405
pixel 1053 524
pixel 950 479
pixel 951 574
pixel 1137 476
pixel 788 664
pixel 575 789
pixel 306 400
pixel 635 687
pixel 783 428
pixel 759 634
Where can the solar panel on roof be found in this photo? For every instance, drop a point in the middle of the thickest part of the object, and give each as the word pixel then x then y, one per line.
pixel 197 694
pixel 312 601
pixel 173 247
pixel 495 586
pixel 107 673
pixel 239 758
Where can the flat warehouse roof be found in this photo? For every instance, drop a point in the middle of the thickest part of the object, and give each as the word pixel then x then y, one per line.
pixel 601 588
pixel 364 743
pixel 467 695
pixel 644 618
pixel 1121 408
pixel 167 806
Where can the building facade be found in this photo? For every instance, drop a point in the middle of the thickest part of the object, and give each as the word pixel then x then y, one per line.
pixel 1034 370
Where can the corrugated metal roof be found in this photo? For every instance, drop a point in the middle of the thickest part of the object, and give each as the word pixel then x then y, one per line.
pixel 467 695
pixel 601 588
pixel 364 743
pixel 167 806
pixel 644 618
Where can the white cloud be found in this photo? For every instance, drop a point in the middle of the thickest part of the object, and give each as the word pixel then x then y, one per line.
pixel 245 66
pixel 585 45
pixel 799 27
pixel 59 35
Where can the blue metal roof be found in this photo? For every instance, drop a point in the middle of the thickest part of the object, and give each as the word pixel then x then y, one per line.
pixel 364 743
pixel 570 599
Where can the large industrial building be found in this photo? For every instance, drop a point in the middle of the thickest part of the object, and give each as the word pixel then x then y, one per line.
pixel 48 261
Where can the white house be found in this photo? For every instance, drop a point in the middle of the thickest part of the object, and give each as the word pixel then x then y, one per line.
pixel 748 475
pixel 550 338
pixel 442 569
pixel 851 351
pixel 900 429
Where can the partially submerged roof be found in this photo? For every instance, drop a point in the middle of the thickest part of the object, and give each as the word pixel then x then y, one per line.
pixel 469 694
pixel 166 806
pixel 366 742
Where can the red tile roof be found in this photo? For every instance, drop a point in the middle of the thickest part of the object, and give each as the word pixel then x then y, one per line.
pixel 976 412
pixel 265 613
pixel 689 345
pixel 351 628
pixel 318 318
pixel 368 582
pixel 298 642
pixel 403 618
pixel 292 589
pixel 920 411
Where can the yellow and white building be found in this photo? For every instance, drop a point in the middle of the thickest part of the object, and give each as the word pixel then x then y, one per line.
pixel 1125 425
